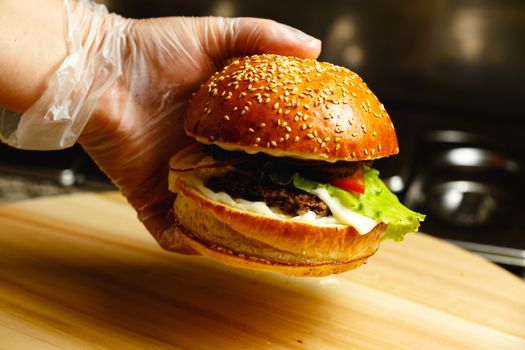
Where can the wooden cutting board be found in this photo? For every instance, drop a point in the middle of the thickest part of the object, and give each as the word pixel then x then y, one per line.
pixel 80 272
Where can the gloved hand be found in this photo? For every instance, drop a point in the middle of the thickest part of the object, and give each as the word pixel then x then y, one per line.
pixel 124 87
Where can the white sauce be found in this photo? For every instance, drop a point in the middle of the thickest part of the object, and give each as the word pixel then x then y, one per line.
pixel 242 204
pixel 345 216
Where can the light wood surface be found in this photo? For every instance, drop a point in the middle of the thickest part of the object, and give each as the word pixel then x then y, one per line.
pixel 80 272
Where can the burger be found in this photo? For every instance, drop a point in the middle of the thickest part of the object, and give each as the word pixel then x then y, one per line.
pixel 280 178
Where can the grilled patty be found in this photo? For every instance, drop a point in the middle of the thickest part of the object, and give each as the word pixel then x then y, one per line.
pixel 252 188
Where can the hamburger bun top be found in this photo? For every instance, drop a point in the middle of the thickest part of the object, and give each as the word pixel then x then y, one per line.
pixel 291 107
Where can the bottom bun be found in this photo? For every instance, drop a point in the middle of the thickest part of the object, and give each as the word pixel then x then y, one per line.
pixel 253 241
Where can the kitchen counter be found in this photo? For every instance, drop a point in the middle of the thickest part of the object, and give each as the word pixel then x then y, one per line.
pixel 79 271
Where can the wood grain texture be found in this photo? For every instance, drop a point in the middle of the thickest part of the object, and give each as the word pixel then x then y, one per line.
pixel 80 272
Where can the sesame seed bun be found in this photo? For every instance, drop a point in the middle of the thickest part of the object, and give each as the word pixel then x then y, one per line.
pixel 284 107
pixel 249 240
pixel 291 107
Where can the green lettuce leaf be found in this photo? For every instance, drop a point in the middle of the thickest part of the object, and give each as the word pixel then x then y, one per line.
pixel 377 202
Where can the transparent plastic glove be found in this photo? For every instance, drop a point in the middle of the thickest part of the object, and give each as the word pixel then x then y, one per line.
pixel 131 79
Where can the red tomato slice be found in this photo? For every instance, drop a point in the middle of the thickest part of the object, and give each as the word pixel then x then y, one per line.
pixel 354 183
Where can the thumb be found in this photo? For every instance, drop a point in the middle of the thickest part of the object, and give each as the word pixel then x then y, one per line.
pixel 226 37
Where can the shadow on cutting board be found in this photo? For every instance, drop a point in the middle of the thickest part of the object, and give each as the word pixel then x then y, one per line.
pixel 164 298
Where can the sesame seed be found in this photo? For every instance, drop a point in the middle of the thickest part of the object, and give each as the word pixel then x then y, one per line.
pixel 327 139
pixel 379 147
pixel 281 139
pixel 258 139
pixel 250 130
pixel 288 129
pixel 354 134
pixel 337 146
pixel 286 136
pixel 353 155
pixel 226 117
pixel 366 152
pixel 276 105
pixel 307 107
pixel 305 117
pixel 235 108
pixel 262 125
pixel 273 143
pixel 303 126
pixel 296 139
pixel 310 136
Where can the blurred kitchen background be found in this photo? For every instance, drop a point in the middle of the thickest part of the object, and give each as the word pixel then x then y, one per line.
pixel 452 75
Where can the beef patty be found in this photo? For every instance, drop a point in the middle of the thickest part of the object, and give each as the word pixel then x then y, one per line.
pixel 289 200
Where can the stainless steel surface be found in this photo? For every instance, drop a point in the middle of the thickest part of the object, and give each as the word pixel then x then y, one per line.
pixel 18 182
pixel 503 255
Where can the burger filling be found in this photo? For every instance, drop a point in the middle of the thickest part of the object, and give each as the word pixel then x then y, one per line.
pixel 287 200
pixel 261 178
pixel 343 193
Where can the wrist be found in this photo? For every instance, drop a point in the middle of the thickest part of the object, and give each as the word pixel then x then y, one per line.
pixel 33 47
pixel 94 40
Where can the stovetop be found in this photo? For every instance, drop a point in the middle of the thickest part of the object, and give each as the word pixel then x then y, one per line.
pixel 466 174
